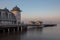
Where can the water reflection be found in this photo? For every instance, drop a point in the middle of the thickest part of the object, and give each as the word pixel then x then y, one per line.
pixel 16 35
pixel 49 33
pixel 40 29
pixel 10 36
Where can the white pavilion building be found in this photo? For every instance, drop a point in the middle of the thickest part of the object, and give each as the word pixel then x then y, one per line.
pixel 10 17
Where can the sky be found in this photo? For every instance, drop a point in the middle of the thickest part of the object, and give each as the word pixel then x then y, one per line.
pixel 35 9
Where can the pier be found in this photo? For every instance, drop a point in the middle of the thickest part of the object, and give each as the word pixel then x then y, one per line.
pixel 22 27
pixel 16 28
pixel 10 21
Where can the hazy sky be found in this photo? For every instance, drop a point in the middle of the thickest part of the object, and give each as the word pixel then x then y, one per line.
pixel 45 9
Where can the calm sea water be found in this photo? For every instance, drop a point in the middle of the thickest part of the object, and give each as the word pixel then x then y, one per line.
pixel 48 33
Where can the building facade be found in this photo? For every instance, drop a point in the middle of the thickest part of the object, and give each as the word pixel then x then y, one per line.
pixel 10 17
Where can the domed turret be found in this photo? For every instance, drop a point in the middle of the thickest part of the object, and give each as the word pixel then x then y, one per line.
pixel 17 12
pixel 16 9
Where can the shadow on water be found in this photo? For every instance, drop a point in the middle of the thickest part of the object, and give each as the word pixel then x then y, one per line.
pixel 33 34
pixel 39 29
pixel 10 36
pixel 36 30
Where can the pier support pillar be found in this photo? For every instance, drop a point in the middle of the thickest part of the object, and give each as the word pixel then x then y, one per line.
pixel 8 30
pixel 17 28
pixel 21 29
pixel 14 29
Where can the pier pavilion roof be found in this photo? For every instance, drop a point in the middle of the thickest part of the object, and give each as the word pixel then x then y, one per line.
pixel 5 9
